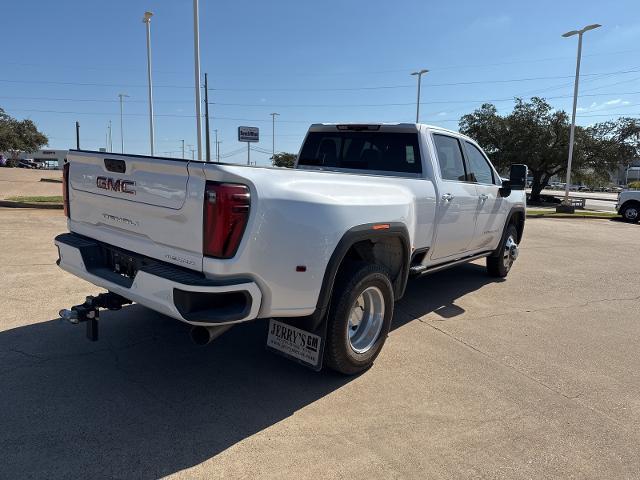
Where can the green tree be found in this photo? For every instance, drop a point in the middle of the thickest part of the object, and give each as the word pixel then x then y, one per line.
pixel 19 135
pixel 535 134
pixel 284 160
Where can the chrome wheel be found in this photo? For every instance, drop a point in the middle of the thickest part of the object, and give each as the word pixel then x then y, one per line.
pixel 366 319
pixel 510 252
pixel 631 214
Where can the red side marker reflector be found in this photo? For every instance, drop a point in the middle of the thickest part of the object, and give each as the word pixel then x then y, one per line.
pixel 301 268
pixel 382 226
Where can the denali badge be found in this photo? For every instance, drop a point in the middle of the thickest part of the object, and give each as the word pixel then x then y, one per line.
pixel 116 185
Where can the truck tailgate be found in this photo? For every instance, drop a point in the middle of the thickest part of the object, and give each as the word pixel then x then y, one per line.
pixel 148 205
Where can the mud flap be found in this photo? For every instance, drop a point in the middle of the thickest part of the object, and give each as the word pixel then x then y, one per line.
pixel 286 338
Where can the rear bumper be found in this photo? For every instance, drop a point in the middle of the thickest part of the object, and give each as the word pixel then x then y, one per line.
pixel 178 293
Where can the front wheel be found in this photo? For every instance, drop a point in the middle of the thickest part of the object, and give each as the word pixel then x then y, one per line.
pixel 359 318
pixel 500 262
pixel 631 213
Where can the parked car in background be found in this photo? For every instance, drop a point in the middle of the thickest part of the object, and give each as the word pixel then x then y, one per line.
pixel 628 205
pixel 28 163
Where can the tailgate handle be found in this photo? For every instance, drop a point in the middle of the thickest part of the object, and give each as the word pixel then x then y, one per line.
pixel 116 166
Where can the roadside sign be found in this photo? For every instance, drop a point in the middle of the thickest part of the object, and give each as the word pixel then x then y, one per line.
pixel 248 134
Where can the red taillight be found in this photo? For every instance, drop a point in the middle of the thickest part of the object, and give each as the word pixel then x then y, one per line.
pixel 225 215
pixel 65 189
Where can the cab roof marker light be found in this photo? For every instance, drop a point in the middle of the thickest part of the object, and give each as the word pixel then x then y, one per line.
pixel 359 128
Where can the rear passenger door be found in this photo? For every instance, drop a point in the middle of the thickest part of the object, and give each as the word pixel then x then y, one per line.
pixel 457 201
pixel 489 222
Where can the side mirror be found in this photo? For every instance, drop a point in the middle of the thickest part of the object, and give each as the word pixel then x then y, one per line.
pixel 518 177
pixel 517 180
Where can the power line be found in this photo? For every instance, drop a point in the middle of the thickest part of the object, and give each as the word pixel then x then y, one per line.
pixel 89 84
pixel 307 73
pixel 100 100
pixel 334 105
pixel 334 89
pixel 320 105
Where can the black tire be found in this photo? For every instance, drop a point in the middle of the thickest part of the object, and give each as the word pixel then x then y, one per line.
pixel 352 282
pixel 496 264
pixel 630 212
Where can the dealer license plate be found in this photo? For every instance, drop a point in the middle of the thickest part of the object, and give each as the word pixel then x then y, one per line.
pixel 294 342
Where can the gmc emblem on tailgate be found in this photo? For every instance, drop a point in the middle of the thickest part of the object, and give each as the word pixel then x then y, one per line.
pixel 116 185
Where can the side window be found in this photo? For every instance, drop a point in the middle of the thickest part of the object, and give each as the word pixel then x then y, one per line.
pixel 479 169
pixel 450 160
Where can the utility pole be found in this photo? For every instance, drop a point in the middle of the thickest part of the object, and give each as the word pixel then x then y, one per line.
pixel 273 135
pixel 206 118
pixel 196 58
pixel 218 149
pixel 248 153
pixel 419 74
pixel 122 95
pixel 216 141
pixel 110 138
pixel 147 20
pixel 191 149
pixel 182 148
pixel 77 135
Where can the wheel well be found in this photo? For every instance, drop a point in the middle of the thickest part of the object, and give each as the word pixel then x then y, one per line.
pixel 517 219
pixel 389 252
pixel 629 202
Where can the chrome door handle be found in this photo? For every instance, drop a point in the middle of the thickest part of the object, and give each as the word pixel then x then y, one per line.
pixel 447 197
pixel 483 197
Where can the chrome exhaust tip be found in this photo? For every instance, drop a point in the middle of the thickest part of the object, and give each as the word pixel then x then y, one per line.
pixel 201 335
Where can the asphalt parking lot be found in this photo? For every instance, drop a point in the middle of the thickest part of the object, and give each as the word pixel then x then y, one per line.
pixel 537 376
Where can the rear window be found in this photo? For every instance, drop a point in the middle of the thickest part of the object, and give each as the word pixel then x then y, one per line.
pixel 375 151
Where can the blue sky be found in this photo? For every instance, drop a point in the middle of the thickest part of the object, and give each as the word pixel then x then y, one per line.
pixel 333 60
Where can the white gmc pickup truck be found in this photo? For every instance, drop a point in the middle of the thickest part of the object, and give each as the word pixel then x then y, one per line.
pixel 322 251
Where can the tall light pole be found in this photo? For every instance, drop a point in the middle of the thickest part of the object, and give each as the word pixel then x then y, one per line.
pixel 182 149
pixel 207 140
pixel 419 74
pixel 196 58
pixel 273 134
pixel 147 20
pixel 565 202
pixel 109 140
pixel 122 96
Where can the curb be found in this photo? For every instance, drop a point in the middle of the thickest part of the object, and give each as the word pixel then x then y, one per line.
pixel 595 217
pixel 44 206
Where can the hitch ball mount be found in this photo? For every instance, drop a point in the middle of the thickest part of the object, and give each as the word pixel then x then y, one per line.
pixel 89 311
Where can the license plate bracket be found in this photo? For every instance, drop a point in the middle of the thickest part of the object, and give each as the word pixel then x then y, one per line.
pixel 122 263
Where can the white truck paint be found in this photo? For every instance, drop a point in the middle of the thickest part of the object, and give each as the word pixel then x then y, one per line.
pixel 297 218
pixel 628 205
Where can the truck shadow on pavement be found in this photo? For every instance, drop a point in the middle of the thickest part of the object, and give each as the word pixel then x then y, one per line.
pixel 438 292
pixel 143 402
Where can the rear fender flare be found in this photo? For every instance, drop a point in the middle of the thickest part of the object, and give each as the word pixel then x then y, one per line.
pixel 351 237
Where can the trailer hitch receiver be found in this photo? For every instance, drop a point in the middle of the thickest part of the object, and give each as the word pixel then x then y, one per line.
pixel 89 311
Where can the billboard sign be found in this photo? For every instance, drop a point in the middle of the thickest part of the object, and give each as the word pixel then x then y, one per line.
pixel 248 134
